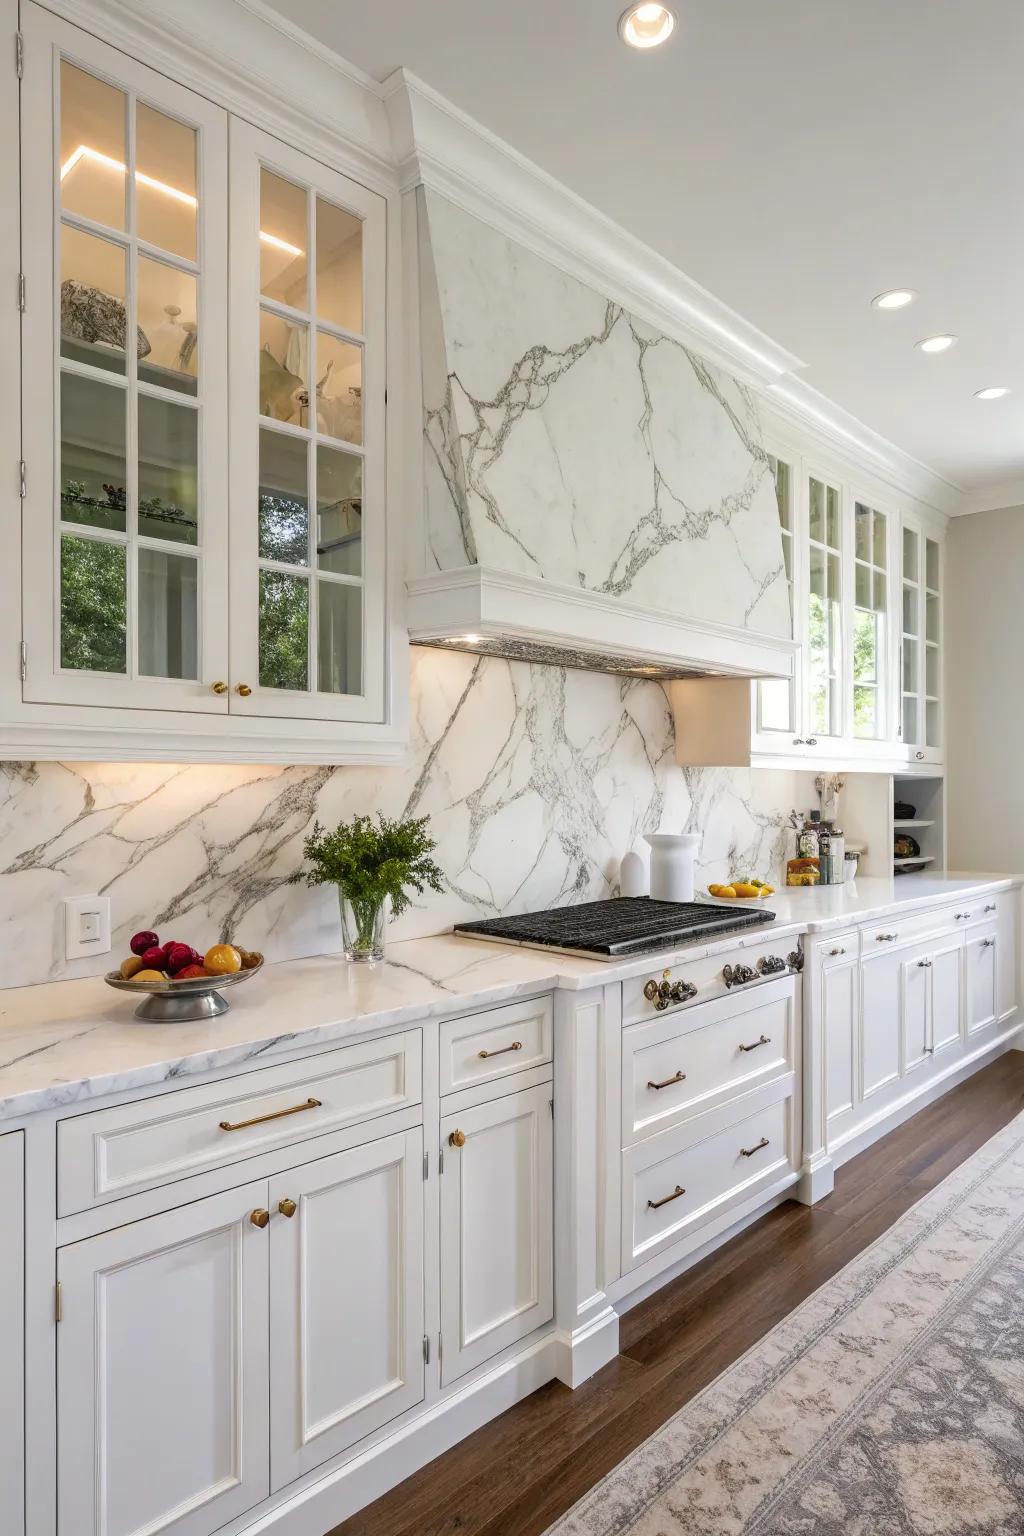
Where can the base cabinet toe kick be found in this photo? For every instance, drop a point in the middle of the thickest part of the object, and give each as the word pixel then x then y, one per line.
pixel 264 1296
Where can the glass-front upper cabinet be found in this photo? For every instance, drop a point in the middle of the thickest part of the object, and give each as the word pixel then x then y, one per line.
pixel 307 436
pixel 869 641
pixel 921 643
pixel 824 644
pixel 125 533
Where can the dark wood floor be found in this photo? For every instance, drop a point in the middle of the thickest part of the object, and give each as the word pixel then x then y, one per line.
pixel 518 1473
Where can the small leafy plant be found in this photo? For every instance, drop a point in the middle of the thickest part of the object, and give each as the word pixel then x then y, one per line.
pixel 371 860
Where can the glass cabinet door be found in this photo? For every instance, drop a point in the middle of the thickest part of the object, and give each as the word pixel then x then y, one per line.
pixel 869 639
pixel 921 660
pixel 824 653
pixel 307 342
pixel 124 178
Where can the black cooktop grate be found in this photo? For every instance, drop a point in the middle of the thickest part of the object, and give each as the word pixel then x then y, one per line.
pixel 626 925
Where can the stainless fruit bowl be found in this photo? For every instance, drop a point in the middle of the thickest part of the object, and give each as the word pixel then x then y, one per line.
pixel 180 1002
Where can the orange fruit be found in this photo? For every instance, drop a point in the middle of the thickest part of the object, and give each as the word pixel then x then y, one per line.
pixel 131 967
pixel 223 960
pixel 149 976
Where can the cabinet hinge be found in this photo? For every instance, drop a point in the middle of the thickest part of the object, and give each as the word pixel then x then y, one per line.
pixel 440 1161
pixel 58 1303
pixel 551 1106
pixel 440 1347
pixel 19 54
pixel 24 661
pixel 22 485
pixel 426 1166
pixel 21 292
pixel 426 1349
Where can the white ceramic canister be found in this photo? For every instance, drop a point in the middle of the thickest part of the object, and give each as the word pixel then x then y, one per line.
pixel 634 874
pixel 673 855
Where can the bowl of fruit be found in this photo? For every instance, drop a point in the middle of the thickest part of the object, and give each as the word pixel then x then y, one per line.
pixel 179 983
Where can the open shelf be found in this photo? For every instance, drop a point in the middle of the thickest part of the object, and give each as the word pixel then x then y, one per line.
pixel 927 797
pixel 899 823
pixel 922 858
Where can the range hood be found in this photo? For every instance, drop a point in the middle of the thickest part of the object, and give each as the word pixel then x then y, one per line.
pixel 595 493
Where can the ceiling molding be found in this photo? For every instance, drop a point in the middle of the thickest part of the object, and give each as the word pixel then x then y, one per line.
pixel 438 146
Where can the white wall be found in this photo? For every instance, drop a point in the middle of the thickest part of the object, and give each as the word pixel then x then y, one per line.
pixel 985 691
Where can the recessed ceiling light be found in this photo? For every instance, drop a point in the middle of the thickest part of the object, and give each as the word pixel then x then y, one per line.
pixel 993 392
pixel 645 26
pixel 894 298
pixel 936 344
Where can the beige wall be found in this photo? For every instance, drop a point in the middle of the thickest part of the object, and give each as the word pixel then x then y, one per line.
pixel 985 691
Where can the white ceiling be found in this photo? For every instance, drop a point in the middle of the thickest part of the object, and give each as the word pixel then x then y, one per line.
pixel 796 157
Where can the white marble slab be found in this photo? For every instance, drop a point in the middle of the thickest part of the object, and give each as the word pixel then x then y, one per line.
pixel 72 1041
pixel 567 440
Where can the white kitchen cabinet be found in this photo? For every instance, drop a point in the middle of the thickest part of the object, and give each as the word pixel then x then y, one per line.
pixel 496 1227
pixel 346 1286
pixel 1007 908
pixel 915 1010
pixel 945 1000
pixel 879 1022
pixel 921 643
pixel 163 1389
pixel 839 996
pixel 981 973
pixel 203 569
pixel 12 1324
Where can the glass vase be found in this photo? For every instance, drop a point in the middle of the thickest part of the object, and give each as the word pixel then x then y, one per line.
pixel 362 928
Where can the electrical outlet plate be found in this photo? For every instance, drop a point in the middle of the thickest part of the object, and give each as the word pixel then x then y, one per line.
pixel 86 926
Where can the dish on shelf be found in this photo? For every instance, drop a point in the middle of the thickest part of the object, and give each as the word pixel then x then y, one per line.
pixel 181 1001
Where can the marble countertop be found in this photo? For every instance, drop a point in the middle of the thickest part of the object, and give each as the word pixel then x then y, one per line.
pixel 68 1041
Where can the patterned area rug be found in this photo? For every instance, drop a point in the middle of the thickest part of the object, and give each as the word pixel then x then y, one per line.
pixel 891 1401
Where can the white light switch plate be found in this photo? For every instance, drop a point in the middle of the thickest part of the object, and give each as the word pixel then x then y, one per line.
pixel 86 926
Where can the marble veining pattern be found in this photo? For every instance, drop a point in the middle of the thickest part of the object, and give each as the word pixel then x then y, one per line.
pixel 570 441
pixel 536 781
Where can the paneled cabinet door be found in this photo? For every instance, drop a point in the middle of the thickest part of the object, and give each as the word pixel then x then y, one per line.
pixel 162 1371
pixel 346 1287
pixel 879 1022
pixel 945 997
pixel 839 1011
pixel 496 1227
pixel 915 1010
pixel 307 348
pixel 124 350
pixel 980 975
pixel 12 1322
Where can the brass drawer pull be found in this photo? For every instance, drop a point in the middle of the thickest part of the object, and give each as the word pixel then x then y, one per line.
pixel 652 1205
pixel 278 1114
pixel 764 1040
pixel 679 1078
pixel 749 1151
pixel 516 1045
pixel 287 1207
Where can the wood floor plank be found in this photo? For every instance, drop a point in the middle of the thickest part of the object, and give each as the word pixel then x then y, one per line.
pixel 516 1475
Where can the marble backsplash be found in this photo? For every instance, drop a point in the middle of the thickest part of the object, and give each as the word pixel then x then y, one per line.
pixel 536 780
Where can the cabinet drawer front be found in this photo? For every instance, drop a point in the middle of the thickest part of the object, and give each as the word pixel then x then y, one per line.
pixel 133 1147
pixel 837 949
pixel 689 1062
pixel 894 929
pixel 672 1186
pixel 485 1046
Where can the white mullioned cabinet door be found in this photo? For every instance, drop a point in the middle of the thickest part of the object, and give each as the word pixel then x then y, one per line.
pixel 124 346
pixel 307 357
pixel 346 1285
pixel 496 1227
pixel 163 1383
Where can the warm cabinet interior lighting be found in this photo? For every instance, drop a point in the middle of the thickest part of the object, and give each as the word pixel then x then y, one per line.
pixel 83 152
pixel 645 26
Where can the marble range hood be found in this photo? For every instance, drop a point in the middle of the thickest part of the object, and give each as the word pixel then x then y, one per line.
pixel 595 493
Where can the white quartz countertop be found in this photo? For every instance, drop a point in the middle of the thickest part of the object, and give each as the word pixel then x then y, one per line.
pixel 68 1041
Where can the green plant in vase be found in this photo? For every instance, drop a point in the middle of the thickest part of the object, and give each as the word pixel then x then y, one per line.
pixel 371 863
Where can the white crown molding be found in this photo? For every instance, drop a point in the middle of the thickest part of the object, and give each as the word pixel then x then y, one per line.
pixel 260 66
pixel 994 498
pixel 439 147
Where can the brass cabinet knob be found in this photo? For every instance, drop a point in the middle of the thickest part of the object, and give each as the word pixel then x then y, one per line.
pixel 259 1218
pixel 287 1207
pixel 457 1139
pixel 243 690
pixel 219 687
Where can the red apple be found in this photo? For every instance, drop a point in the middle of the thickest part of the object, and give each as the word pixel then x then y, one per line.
pixel 178 956
pixel 154 958
pixel 190 971
pixel 143 941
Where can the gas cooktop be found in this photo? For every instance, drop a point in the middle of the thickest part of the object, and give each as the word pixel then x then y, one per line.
pixel 616 929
